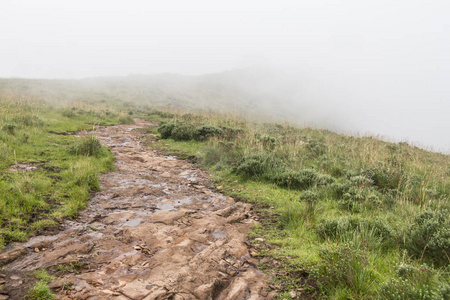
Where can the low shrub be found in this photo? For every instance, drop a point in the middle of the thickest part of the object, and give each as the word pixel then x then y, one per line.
pixel 429 236
pixel 204 132
pixel 183 132
pixel 229 133
pixel 316 148
pixel 414 283
pixel 325 180
pixel 259 165
pixel 356 200
pixel 310 198
pixel 384 178
pixel 165 130
pixel 162 114
pixel 298 180
pixel 268 142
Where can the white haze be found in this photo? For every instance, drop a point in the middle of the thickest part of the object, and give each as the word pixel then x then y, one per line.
pixel 379 67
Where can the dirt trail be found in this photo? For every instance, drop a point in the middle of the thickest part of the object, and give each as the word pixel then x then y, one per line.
pixel 155 231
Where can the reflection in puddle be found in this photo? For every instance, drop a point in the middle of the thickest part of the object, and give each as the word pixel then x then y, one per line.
pixel 172 205
pixel 218 234
pixel 133 223
pixel 166 206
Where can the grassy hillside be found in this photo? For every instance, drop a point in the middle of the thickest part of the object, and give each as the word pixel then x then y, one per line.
pixel 358 218
pixel 365 218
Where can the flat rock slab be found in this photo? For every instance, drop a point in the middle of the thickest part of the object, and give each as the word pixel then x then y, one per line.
pixel 149 234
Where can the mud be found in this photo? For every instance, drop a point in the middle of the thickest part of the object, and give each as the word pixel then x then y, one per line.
pixel 155 231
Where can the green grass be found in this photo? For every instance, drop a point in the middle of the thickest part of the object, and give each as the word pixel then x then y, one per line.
pixel 40 290
pixel 349 210
pixel 62 168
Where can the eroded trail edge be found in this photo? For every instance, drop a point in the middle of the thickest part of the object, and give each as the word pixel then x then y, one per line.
pixel 155 231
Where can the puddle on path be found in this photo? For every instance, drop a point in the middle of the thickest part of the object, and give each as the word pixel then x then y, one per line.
pixel 133 223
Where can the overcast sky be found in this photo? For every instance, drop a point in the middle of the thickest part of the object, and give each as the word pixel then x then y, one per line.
pixel 387 61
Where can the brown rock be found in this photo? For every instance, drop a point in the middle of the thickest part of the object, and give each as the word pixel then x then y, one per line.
pixel 12 255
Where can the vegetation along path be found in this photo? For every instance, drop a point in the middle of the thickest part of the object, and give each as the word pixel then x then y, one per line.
pixel 155 231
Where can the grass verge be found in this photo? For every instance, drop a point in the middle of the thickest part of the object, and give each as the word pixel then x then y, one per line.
pixel 351 213
pixel 46 172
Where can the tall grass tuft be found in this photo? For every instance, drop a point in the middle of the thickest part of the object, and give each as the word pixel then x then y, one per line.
pixel 87 146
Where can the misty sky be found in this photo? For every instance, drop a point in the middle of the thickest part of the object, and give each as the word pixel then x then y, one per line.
pixel 385 65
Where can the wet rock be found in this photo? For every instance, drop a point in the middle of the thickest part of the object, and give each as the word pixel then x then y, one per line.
pixel 226 212
pixel 11 255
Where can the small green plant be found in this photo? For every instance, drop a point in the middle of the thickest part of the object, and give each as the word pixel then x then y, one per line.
pixel 347 229
pixel 298 180
pixel 183 132
pixel 316 148
pixel 260 166
pixel 412 282
pixel 72 267
pixel 28 120
pixel 69 113
pixel 311 198
pixel 9 128
pixel 41 290
pixel 88 146
pixel 165 130
pixel 126 119
pixel 268 142
pixel 346 269
pixel 204 132
pixel 429 236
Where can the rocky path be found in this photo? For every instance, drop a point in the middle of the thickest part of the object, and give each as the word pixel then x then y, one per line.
pixel 155 231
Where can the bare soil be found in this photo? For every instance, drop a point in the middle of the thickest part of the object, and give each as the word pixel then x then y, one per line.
pixel 155 231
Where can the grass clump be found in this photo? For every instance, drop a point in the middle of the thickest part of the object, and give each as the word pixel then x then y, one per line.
pixel 370 231
pixel 88 146
pixel 40 290
pixel 347 273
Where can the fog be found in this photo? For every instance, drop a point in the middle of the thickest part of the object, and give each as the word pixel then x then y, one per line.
pixel 376 67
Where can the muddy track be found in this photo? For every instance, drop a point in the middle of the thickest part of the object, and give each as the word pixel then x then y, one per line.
pixel 155 231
